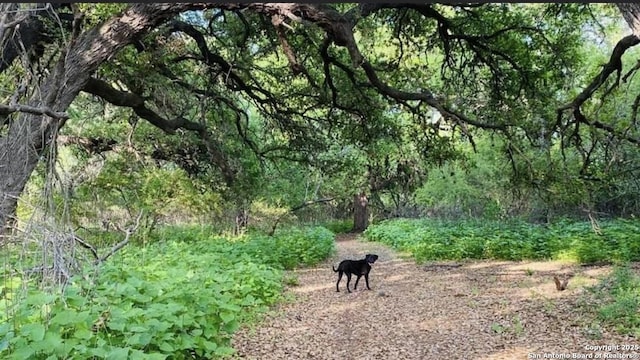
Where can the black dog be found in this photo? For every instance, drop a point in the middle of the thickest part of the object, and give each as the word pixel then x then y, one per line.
pixel 356 267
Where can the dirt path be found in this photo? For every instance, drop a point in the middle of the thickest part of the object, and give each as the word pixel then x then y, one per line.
pixel 479 310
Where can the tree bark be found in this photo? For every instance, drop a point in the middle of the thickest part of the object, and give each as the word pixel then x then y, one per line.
pixel 631 14
pixel 29 135
pixel 360 212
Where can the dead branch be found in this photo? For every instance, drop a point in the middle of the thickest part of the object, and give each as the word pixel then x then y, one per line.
pixel 296 208
pixel 594 225
pixel 128 232
pixel 85 245
pixel 10 109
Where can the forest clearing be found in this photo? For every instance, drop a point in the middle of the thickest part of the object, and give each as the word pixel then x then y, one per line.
pixel 179 180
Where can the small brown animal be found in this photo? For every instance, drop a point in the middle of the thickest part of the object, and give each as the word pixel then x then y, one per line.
pixel 560 285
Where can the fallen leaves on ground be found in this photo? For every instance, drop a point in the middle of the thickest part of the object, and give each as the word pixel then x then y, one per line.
pixel 468 310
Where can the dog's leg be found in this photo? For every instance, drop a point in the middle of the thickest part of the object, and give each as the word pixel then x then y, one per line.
pixel 348 281
pixel 366 278
pixel 338 283
pixel 355 287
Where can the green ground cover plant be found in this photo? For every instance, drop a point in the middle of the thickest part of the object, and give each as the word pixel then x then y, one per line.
pixel 181 297
pixel 618 296
pixel 338 226
pixel 615 300
pixel 426 239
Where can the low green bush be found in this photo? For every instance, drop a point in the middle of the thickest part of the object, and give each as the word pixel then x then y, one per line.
pixel 176 298
pixel 616 241
pixel 621 304
pixel 291 247
pixel 338 226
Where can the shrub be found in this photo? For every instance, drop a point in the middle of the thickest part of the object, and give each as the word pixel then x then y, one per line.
pixel 621 307
pixel 339 226
pixel 618 240
pixel 176 298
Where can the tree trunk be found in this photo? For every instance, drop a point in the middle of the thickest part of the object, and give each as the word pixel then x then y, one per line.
pixel 360 212
pixel 29 135
pixel 242 221
pixel 631 14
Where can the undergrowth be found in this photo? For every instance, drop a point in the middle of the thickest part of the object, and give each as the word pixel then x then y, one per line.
pixel 618 296
pixel 338 226
pixel 180 298
pixel 614 241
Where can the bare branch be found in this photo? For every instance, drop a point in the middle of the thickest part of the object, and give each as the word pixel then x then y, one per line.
pixel 296 208
pixel 85 245
pixel 128 232
pixel 9 109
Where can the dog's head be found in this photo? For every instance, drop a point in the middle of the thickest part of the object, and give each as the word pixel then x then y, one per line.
pixel 371 258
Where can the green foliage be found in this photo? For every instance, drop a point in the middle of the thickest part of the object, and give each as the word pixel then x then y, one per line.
pixel 292 247
pixel 339 226
pixel 617 240
pixel 499 64
pixel 287 249
pixel 182 296
pixel 472 186
pixel 621 308
pixel 127 187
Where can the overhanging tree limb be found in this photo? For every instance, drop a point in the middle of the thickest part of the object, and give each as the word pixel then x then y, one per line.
pixel 25 141
pixel 631 13
pixel 614 65
pixel 127 232
pixel 137 104
pixel 339 28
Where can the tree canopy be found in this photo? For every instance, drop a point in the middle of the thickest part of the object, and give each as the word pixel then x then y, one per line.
pixel 368 97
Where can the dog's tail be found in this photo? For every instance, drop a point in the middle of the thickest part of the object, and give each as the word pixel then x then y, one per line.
pixel 334 268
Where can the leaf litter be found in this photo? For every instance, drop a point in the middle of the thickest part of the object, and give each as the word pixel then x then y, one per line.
pixel 468 310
